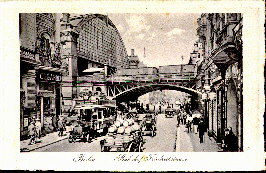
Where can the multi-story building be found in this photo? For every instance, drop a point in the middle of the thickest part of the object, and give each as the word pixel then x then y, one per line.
pixel 63 55
pixel 40 70
pixel 219 73
pixel 93 50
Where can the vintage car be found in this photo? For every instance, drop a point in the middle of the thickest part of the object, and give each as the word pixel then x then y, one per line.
pixel 169 112
pixel 94 120
pixel 149 125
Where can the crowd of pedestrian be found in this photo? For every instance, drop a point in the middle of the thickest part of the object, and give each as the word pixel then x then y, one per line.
pixel 35 129
pixel 194 122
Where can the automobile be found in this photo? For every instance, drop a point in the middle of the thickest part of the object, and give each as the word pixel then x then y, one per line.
pixel 169 112
pixel 93 121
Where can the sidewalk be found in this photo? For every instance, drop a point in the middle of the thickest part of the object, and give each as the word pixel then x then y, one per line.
pixel 49 139
pixel 189 142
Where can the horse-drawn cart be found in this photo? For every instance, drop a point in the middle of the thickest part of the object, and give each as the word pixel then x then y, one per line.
pixel 81 132
pixel 123 139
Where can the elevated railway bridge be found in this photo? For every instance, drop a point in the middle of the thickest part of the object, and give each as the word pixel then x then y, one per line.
pixel 129 88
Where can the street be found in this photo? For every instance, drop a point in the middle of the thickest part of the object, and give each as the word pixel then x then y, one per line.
pixel 164 141
pixel 94 83
pixel 65 146
pixel 169 138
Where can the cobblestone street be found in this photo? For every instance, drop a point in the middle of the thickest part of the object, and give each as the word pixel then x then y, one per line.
pixel 164 141
pixel 169 138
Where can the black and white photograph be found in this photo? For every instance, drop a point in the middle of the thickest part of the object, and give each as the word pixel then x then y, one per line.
pixel 131 82
pixel 135 85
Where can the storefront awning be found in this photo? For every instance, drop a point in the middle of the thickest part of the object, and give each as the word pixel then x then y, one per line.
pixel 88 106
pixel 93 70
pixel 226 54
pixel 53 69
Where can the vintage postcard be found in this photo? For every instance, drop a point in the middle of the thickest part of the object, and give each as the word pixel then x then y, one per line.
pixel 133 85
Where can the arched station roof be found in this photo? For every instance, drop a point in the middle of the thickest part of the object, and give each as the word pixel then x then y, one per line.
pixel 133 93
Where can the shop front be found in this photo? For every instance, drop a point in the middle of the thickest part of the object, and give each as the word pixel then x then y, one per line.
pixel 48 99
pixel 27 97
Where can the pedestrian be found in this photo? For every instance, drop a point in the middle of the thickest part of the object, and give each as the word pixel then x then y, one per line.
pixel 178 119
pixel 184 118
pixel 38 128
pixel 195 123
pixel 189 123
pixel 201 127
pixel 61 127
pixel 181 117
pixel 32 133
pixel 230 140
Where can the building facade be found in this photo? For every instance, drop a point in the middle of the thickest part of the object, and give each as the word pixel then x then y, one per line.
pixel 62 58
pixel 93 50
pixel 40 70
pixel 219 74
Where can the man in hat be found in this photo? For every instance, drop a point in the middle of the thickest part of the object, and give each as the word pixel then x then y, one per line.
pixel 38 127
pixel 201 127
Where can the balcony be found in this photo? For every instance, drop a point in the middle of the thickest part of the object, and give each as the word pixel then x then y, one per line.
pixel 227 51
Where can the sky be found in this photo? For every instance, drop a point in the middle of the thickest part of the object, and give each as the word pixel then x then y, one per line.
pixel 166 36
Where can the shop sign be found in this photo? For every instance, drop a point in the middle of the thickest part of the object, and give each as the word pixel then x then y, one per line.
pixel 44 76
pixel 45 93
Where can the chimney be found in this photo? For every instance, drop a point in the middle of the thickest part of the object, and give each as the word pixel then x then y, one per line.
pixel 132 52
